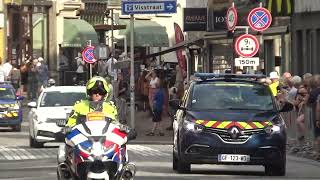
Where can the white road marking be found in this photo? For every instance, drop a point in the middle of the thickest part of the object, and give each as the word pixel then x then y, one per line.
pixel 23 153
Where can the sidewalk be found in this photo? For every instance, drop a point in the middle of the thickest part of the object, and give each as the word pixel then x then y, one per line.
pixel 143 125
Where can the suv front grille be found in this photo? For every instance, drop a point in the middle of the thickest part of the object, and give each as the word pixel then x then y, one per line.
pixel 242 137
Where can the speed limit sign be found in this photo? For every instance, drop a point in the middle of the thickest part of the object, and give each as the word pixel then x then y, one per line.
pixel 247 45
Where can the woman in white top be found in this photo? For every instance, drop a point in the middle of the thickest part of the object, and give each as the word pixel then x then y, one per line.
pixel 153 78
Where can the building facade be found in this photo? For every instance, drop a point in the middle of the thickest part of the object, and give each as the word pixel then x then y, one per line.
pixel 306 37
pixel 275 49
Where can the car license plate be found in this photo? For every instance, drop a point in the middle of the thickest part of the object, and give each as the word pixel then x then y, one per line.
pixel 233 158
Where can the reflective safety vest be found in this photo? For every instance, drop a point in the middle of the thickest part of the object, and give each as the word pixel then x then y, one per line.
pixel 274 88
pixel 82 108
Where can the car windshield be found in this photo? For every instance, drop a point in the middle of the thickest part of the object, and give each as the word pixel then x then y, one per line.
pixel 231 95
pixel 58 98
pixel 7 93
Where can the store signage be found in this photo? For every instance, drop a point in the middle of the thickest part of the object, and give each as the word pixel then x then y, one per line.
pixel 148 6
pixel 195 19
pixel 281 7
pixel 182 61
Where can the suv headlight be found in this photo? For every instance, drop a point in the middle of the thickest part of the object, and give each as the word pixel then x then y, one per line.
pixel 275 127
pixel 192 126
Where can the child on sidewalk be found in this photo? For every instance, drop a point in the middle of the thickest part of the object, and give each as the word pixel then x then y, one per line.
pixel 157 111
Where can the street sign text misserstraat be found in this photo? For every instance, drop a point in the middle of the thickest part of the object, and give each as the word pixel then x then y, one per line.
pixel 149 7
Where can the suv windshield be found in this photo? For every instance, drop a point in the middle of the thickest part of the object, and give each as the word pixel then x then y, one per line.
pixel 58 98
pixel 231 95
pixel 7 93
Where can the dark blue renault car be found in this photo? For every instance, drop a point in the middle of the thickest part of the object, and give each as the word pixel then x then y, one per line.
pixel 230 119
pixel 10 107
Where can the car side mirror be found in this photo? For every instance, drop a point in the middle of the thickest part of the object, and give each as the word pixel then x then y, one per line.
pixel 19 98
pixel 286 107
pixel 32 104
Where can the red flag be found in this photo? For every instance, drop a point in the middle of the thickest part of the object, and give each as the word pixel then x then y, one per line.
pixel 181 58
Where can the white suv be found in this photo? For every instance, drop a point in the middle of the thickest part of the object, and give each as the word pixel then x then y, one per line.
pixel 49 113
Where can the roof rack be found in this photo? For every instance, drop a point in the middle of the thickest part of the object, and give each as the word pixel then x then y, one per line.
pixel 206 76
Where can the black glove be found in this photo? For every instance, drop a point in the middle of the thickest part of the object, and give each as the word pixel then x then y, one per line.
pixel 132 134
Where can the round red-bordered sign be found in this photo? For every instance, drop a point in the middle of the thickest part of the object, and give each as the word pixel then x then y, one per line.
pixel 232 18
pixel 247 45
pixel 259 19
pixel 88 55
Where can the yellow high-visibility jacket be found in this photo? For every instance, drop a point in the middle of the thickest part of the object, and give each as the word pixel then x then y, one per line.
pixel 82 108
pixel 274 88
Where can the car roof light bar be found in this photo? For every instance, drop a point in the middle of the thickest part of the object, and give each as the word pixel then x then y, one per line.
pixel 5 82
pixel 206 76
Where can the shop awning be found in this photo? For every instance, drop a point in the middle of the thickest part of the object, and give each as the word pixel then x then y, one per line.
pixel 178 46
pixel 147 33
pixel 77 33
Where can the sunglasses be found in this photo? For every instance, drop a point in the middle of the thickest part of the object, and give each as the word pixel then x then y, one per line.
pixel 97 91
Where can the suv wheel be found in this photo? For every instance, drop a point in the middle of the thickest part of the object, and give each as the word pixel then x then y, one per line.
pixel 174 161
pixel 183 167
pixel 276 169
pixel 34 144
pixel 16 128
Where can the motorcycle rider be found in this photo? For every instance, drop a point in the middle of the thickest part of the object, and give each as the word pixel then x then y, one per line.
pixel 97 89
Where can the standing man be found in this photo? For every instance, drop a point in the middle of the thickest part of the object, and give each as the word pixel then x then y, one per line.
pixel 80 68
pixel 43 73
pixel 274 83
pixel 32 80
pixel 63 66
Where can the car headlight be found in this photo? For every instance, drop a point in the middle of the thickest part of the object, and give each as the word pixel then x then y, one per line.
pixel 275 127
pixel 192 126
pixel 272 129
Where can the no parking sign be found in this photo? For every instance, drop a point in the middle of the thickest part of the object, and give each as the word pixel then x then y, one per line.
pixel 88 55
pixel 259 19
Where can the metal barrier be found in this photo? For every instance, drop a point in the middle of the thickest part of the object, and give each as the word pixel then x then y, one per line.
pixel 290 120
pixel 291 124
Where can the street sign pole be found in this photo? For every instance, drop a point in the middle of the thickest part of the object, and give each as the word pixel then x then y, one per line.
pixel 132 99
pixel 90 65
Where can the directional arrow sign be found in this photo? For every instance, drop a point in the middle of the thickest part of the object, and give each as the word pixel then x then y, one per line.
pixel 149 7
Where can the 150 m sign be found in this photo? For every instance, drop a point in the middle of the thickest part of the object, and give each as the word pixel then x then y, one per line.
pixel 247 61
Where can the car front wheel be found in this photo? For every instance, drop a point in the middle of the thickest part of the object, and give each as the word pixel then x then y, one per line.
pixel 34 143
pixel 276 169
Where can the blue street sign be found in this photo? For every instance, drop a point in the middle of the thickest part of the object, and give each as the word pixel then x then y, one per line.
pixel 149 7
